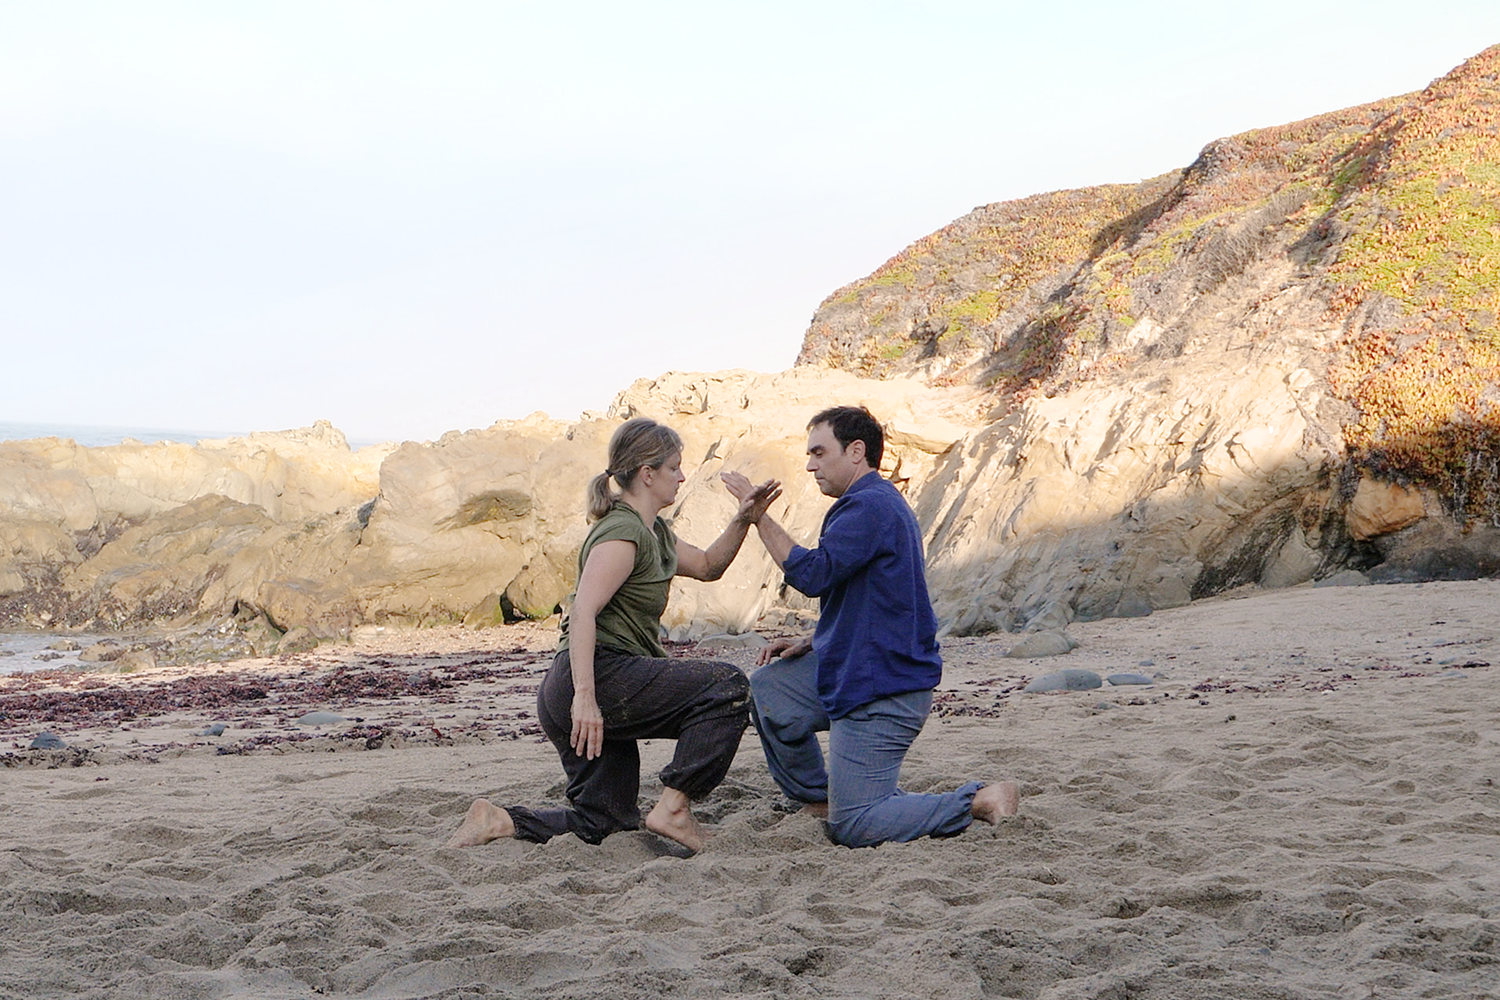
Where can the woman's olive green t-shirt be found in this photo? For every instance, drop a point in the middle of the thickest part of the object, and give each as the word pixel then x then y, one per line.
pixel 630 621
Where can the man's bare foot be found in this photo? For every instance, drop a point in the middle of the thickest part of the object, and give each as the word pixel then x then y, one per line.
pixel 673 818
pixel 996 800
pixel 818 809
pixel 482 824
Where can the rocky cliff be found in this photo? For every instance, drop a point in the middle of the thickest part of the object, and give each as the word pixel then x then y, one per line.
pixel 1279 362
pixel 1273 366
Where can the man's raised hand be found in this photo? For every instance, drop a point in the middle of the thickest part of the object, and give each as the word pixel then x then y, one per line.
pixel 754 500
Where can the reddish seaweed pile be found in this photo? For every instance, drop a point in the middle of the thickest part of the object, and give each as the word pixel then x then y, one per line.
pixel 81 701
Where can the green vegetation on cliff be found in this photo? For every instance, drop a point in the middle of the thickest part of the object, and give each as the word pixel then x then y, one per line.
pixel 1382 221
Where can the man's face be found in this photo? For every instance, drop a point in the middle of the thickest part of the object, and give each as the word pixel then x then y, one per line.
pixel 833 466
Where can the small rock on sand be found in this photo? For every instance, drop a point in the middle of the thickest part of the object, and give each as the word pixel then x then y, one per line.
pixel 1042 644
pixel 102 652
pixel 1346 578
pixel 134 659
pixel 1065 680
pixel 48 741
pixel 217 729
pixel 1122 679
pixel 320 719
pixel 725 641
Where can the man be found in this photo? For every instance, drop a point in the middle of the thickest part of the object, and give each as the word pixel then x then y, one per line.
pixel 866 675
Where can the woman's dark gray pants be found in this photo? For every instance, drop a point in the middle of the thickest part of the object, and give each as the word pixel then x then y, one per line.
pixel 702 704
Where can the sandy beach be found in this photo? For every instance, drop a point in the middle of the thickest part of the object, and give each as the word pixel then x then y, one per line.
pixel 1302 805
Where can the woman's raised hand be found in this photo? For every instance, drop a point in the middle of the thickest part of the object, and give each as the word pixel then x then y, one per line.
pixel 754 500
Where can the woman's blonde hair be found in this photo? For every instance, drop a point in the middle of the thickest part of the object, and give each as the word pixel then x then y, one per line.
pixel 637 442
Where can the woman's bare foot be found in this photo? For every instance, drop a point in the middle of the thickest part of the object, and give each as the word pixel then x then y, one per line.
pixel 996 800
pixel 818 809
pixel 482 824
pixel 673 818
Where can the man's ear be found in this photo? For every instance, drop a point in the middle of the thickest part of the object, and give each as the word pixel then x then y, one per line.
pixel 856 451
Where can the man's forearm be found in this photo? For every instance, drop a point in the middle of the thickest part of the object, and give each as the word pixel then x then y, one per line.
pixel 774 537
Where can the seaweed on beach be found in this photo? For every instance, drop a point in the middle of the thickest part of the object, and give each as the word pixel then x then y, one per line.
pixel 83 700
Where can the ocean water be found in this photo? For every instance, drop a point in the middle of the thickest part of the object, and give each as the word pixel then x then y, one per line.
pixel 99 437
pixel 24 652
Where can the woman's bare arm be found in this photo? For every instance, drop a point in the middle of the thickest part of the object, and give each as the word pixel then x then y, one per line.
pixel 710 564
pixel 608 566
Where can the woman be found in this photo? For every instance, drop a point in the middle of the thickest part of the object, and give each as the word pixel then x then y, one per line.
pixel 612 682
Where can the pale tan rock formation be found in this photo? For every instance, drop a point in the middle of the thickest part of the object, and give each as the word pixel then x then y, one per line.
pixel 137 531
pixel 1113 498
pixel 285 531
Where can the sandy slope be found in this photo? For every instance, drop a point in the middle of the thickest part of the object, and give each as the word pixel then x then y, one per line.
pixel 1304 805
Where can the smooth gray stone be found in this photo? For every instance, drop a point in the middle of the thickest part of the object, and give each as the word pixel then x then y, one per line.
pixel 217 729
pixel 1065 680
pixel 47 741
pixel 1042 644
pixel 319 719
pixel 1346 578
pixel 1146 663
pixel 723 640
pixel 1121 679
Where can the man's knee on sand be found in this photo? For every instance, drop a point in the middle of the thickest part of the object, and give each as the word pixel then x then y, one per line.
pixel 850 830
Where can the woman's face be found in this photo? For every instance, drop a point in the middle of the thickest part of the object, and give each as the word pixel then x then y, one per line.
pixel 665 480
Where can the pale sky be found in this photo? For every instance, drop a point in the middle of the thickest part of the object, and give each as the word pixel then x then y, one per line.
pixel 413 217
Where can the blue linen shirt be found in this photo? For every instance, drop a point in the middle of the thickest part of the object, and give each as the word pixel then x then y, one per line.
pixel 877 633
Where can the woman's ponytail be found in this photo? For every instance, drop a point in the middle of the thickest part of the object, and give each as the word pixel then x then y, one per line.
pixel 600 497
